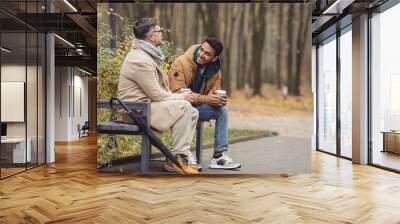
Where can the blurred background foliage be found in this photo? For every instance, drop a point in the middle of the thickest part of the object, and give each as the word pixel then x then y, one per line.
pixel 262 44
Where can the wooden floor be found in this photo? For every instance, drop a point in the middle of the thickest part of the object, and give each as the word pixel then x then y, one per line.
pixel 10 171
pixel 71 191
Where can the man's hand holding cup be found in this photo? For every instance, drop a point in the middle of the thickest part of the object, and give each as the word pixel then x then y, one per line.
pixel 217 98
pixel 187 94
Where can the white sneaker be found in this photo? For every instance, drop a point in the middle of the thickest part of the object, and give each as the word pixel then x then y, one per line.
pixel 192 160
pixel 223 162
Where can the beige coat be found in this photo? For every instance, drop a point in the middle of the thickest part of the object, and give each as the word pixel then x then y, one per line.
pixel 181 76
pixel 141 79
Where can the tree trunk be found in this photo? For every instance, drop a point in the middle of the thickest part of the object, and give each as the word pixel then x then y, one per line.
pixel 245 73
pixel 196 31
pixel 241 53
pixel 301 45
pixel 258 40
pixel 248 72
pixel 226 52
pixel 209 14
pixel 279 44
pixel 289 58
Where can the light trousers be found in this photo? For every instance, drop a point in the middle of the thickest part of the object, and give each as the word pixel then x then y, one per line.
pixel 183 130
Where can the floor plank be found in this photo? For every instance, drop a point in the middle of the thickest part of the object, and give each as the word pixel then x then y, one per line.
pixel 72 191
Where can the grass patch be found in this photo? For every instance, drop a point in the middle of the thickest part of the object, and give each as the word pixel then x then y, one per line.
pixel 233 134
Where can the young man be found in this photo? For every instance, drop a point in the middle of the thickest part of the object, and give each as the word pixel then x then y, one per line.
pixel 199 69
pixel 142 79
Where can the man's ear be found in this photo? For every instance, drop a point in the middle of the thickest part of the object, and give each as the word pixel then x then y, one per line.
pixel 151 37
pixel 215 59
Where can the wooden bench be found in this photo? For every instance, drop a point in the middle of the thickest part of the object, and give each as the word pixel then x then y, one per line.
pixel 199 141
pixel 118 128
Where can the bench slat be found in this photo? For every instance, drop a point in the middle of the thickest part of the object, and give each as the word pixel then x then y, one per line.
pixel 117 128
pixel 129 104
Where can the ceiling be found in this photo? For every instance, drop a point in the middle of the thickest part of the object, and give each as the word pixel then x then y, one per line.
pixel 327 13
pixel 74 22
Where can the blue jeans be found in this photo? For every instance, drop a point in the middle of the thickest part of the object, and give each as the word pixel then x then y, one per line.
pixel 220 115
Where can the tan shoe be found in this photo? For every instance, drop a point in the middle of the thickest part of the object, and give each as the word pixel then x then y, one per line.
pixel 172 167
pixel 186 169
pixel 196 167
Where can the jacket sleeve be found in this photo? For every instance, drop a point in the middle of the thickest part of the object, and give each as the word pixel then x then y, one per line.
pixel 176 77
pixel 199 99
pixel 146 77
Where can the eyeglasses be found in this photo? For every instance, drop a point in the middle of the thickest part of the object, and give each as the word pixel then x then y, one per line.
pixel 163 30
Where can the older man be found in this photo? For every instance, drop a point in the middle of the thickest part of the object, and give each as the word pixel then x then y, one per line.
pixel 142 79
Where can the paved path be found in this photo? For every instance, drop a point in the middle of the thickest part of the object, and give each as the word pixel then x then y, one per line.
pixel 300 126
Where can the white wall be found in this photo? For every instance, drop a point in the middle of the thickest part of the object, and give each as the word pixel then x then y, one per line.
pixel 70 83
pixel 79 112
pixel 14 73
pixel 62 81
pixel 33 126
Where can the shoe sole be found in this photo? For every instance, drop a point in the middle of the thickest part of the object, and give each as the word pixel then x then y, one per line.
pixel 225 167
pixel 172 170
pixel 198 168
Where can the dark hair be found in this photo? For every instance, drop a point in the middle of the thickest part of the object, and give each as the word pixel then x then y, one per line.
pixel 143 26
pixel 215 44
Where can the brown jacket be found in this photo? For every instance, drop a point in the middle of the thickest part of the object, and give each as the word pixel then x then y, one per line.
pixel 182 72
pixel 141 79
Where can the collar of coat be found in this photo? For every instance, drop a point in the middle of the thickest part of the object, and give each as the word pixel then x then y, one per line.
pixel 160 70
pixel 136 47
pixel 154 52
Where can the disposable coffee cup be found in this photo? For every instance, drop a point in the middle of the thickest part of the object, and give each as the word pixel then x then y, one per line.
pixel 220 92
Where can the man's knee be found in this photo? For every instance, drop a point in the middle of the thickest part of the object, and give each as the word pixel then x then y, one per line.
pixel 190 110
pixel 224 110
pixel 195 113
pixel 186 104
